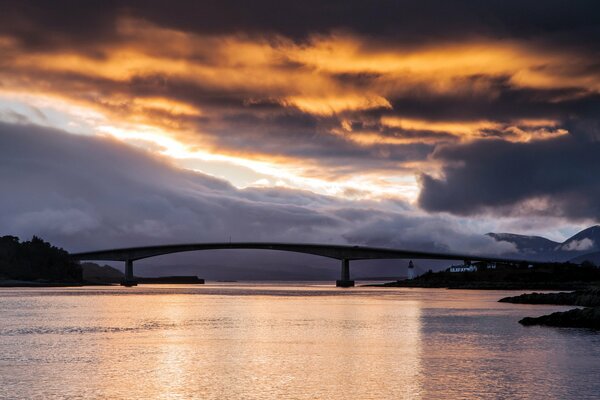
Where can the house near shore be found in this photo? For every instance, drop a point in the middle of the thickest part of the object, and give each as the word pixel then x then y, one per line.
pixel 480 266
pixel 462 268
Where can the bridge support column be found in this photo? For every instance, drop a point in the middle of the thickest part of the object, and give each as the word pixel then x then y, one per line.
pixel 129 278
pixel 345 281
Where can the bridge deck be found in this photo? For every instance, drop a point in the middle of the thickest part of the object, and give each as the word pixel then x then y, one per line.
pixel 340 252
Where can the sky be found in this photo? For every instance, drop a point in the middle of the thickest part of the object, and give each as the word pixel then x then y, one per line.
pixel 392 123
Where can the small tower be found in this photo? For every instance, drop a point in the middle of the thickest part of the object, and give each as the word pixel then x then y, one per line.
pixel 411 270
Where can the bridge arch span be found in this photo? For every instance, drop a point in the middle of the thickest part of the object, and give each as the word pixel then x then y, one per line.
pixel 345 253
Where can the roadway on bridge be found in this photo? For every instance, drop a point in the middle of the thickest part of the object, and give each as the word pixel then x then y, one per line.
pixel 345 253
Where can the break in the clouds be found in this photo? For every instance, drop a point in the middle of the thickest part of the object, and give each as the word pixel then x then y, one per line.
pixel 305 115
pixel 84 193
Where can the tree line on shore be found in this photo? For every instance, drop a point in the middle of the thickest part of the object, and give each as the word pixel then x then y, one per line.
pixel 36 259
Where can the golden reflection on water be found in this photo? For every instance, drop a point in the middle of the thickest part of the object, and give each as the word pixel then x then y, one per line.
pixel 258 342
pixel 315 347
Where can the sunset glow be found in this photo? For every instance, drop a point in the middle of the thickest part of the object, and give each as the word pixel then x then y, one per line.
pixel 270 199
pixel 335 111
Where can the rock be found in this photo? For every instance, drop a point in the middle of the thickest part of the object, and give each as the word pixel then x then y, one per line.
pixel 577 318
pixel 585 298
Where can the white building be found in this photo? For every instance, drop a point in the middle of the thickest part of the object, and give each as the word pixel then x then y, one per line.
pixel 463 268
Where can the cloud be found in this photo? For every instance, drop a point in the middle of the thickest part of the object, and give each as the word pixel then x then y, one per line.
pixel 72 23
pixel 554 177
pixel 425 232
pixel 126 192
pixel 87 193
pixel 327 104
pixel 494 106
pixel 578 245
pixel 65 222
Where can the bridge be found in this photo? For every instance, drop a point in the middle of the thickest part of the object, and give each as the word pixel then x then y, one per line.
pixel 344 253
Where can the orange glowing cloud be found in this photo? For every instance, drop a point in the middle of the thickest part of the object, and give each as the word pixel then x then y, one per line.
pixel 522 130
pixel 190 96
pixel 439 66
pixel 328 105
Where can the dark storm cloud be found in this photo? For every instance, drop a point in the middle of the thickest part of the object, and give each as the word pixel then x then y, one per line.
pixel 556 177
pixel 72 22
pixel 332 90
pixel 42 25
pixel 502 101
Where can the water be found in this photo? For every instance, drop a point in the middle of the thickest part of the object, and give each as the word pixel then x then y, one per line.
pixel 286 342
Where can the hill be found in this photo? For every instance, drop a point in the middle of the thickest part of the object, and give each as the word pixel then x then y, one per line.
pixel 94 273
pixel 578 248
pixel 527 244
pixel 588 240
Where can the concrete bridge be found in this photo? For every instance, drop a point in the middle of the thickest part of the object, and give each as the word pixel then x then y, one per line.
pixel 344 253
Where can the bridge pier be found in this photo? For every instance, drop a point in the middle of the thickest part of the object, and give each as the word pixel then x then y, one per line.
pixel 345 278
pixel 129 278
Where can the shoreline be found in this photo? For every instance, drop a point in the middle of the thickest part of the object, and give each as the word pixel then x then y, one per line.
pixel 490 285
pixel 14 283
pixel 587 317
pixel 544 286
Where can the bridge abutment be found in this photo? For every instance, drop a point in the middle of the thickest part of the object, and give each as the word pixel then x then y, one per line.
pixel 345 278
pixel 129 278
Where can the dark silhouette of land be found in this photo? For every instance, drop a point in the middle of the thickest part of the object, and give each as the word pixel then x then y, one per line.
pixel 588 317
pixel 36 261
pixel 542 276
pixel 583 298
pixel 105 274
pixel 101 274
pixel 577 318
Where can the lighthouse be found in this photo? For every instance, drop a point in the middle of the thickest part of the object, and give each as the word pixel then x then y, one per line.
pixel 411 270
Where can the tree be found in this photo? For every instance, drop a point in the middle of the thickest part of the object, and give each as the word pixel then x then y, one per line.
pixel 36 259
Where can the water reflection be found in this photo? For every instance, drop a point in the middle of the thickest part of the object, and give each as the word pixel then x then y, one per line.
pixel 302 342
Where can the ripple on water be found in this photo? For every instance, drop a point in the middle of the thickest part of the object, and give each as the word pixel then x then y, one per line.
pixel 216 342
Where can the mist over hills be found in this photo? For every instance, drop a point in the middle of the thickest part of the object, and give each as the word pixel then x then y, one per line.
pixel 526 244
pixel 582 246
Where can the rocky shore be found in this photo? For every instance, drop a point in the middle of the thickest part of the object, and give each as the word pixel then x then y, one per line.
pixel 584 298
pixel 577 318
pixel 8 283
pixel 485 285
pixel 588 317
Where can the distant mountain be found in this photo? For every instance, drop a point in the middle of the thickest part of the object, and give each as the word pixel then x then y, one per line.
pixel 93 272
pixel 526 244
pixel 576 248
pixel 588 240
